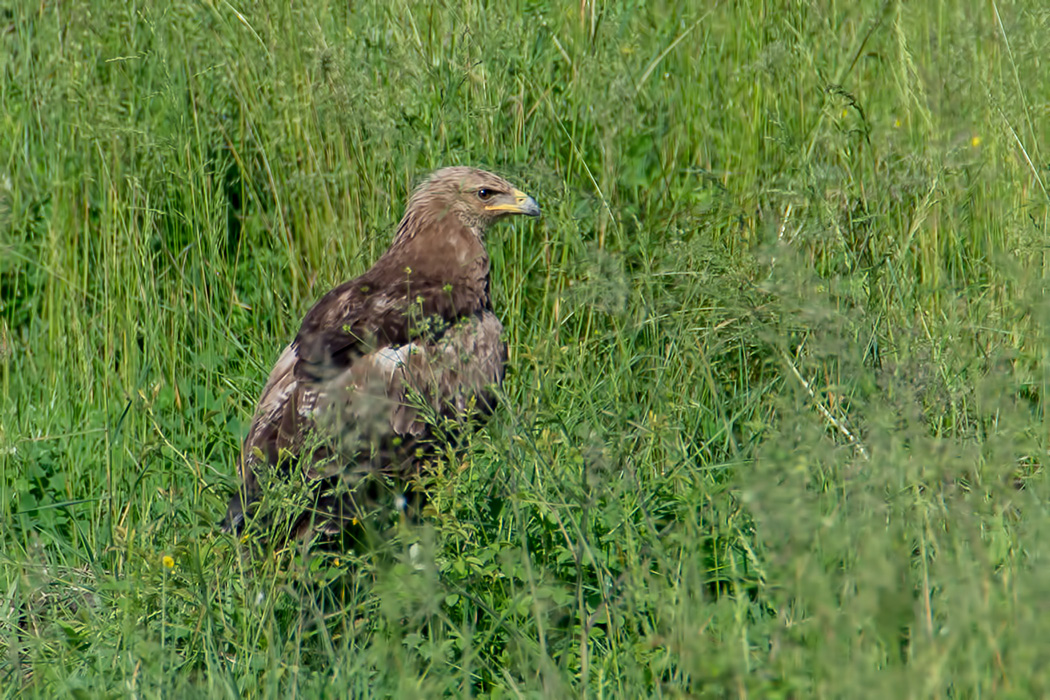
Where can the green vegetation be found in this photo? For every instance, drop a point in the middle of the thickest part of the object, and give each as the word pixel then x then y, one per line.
pixel 773 423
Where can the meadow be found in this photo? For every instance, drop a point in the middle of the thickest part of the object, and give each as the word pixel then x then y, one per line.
pixel 772 425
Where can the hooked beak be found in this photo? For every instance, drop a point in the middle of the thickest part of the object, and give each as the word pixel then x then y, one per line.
pixel 523 204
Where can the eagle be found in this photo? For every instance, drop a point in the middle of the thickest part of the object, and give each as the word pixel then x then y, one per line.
pixel 381 360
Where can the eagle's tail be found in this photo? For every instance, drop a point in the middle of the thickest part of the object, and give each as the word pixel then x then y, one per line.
pixel 233 522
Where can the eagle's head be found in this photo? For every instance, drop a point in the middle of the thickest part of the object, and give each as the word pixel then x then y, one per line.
pixel 476 197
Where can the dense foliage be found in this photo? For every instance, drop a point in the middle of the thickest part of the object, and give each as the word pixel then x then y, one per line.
pixel 773 422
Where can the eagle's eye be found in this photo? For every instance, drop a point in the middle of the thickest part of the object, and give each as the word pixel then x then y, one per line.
pixel 485 194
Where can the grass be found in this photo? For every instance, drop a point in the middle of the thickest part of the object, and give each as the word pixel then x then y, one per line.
pixel 773 423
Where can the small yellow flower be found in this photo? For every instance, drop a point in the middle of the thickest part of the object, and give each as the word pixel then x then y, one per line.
pixel 845 113
pixel 167 561
pixel 975 141
pixel 896 123
pixel 353 521
pixel 338 561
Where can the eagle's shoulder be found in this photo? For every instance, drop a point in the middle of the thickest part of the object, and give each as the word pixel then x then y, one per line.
pixel 389 305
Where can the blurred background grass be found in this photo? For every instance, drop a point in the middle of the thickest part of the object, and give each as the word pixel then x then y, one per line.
pixel 773 423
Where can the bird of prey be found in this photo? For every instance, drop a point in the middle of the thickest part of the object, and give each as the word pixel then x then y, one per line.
pixel 379 358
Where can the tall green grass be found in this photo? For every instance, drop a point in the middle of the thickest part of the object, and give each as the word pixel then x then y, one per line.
pixel 773 422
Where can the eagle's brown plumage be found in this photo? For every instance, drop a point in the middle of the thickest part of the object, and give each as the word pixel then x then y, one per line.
pixel 416 330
